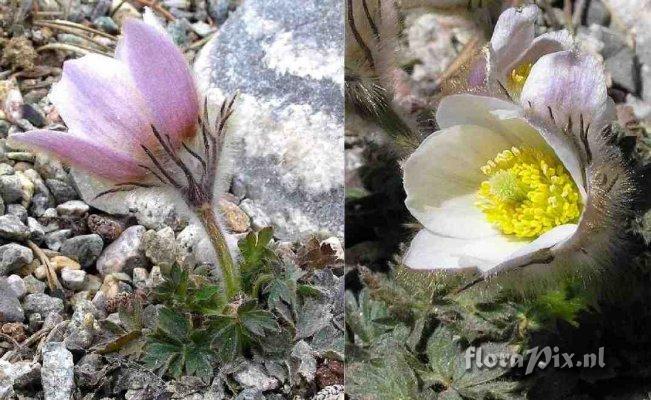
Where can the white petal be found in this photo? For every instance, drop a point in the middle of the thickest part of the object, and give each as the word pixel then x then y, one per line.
pixel 506 117
pixel 488 112
pixel 571 85
pixel 431 251
pixel 469 109
pixel 443 175
pixel 513 34
pixel 547 240
pixel 546 43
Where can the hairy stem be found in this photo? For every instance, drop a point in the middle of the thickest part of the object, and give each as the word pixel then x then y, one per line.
pixel 230 272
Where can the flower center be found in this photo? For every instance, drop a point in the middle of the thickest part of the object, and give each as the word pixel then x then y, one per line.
pixel 527 193
pixel 519 76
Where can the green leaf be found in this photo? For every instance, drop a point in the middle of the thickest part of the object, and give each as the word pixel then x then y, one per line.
pixel 174 325
pixel 159 354
pixel 257 321
pixel 451 368
pixel 234 333
pixel 256 256
pixel 206 293
pixel 286 289
pixel 363 316
pixel 443 354
pixel 228 338
pixel 199 362
pixel 389 377
pixel 192 355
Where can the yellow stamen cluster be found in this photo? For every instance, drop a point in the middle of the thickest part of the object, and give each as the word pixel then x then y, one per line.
pixel 518 77
pixel 527 193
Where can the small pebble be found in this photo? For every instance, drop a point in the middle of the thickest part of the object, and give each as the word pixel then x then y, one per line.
pixel 74 208
pixel 42 304
pixel 19 211
pixel 13 257
pixel 107 227
pixel 61 191
pixel 54 240
pixel 11 228
pixel 17 284
pixel 85 249
pixel 33 285
pixel 73 279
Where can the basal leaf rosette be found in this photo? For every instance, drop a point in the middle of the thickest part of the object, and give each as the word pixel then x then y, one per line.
pixel 502 186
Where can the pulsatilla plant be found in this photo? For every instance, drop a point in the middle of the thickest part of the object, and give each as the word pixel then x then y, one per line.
pixel 133 120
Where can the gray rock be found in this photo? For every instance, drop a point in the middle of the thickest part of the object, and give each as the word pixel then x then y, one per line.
pixel 19 211
pixel 597 13
pixel 17 374
pixel 150 315
pixel 195 248
pixel 303 363
pixel 49 168
pixel 14 256
pixel 258 217
pixel 106 24
pixel 140 276
pixel 54 240
pixel 21 373
pixel 88 370
pixel 18 286
pixel 39 184
pixel 61 191
pixel 85 249
pixel 35 322
pixel 12 188
pixel 202 28
pixel 11 228
pixel 73 279
pixel 40 203
pixel 632 16
pixel 160 246
pixel 33 285
pixel 622 67
pixel 80 334
pixel 124 254
pixel 254 376
pixel 42 303
pixel 6 169
pixel 57 373
pixel 286 63
pixel 218 10
pixel 155 277
pixel 250 394
pixel 73 208
pixel 332 392
pixel 10 309
pixel 36 230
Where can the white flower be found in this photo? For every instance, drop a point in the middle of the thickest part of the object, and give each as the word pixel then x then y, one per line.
pixel 506 185
pixel 514 49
